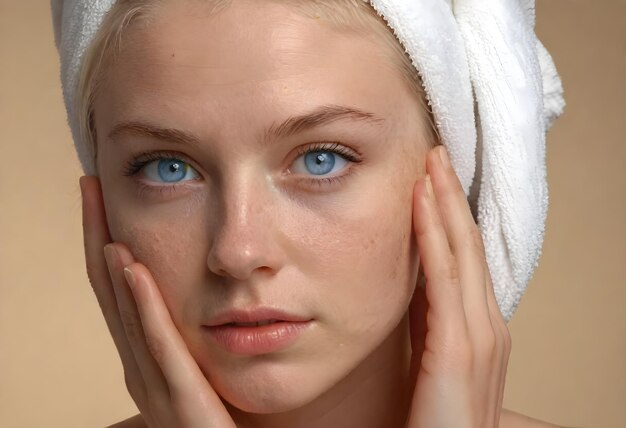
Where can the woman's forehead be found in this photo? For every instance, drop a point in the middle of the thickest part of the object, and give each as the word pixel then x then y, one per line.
pixel 223 49
pixel 279 60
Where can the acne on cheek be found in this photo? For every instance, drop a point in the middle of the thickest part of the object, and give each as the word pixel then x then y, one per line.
pixel 395 217
pixel 156 235
pixel 381 229
pixel 166 248
pixel 373 269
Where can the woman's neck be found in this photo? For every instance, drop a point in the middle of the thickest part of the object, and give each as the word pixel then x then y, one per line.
pixel 377 393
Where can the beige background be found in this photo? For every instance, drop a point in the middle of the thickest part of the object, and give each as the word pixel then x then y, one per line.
pixel 58 365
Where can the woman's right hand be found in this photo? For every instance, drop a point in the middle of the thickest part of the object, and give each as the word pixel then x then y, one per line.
pixel 161 376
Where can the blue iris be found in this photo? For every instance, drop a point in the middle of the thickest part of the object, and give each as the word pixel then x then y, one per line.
pixel 172 170
pixel 319 162
pixel 169 170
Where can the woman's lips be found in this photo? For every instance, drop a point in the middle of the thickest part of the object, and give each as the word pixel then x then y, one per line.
pixel 256 330
pixel 259 339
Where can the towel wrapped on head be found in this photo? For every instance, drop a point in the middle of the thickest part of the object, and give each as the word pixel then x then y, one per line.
pixel 494 92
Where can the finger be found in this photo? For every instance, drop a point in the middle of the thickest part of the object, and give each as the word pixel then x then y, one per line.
pixel 442 283
pixel 418 308
pixel 468 248
pixel 497 365
pixel 189 389
pixel 502 358
pixel 465 241
pixel 96 236
pixel 504 365
pixel 118 257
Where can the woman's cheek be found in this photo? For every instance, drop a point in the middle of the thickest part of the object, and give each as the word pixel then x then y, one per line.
pixel 168 245
pixel 375 263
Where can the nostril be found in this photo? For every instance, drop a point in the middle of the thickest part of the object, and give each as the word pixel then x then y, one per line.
pixel 222 272
pixel 242 255
pixel 239 268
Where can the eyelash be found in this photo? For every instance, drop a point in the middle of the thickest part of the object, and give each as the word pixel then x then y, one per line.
pixel 331 147
pixel 135 165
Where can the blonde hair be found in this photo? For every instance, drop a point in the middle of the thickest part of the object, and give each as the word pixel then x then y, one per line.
pixel 342 15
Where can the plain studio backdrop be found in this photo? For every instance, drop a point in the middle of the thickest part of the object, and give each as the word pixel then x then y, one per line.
pixel 58 364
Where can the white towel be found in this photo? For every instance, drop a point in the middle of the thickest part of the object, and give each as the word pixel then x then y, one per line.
pixel 507 74
pixel 494 92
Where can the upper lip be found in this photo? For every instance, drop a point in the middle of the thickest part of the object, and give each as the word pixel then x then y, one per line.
pixel 256 314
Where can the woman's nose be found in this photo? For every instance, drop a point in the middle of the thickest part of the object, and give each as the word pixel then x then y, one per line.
pixel 244 241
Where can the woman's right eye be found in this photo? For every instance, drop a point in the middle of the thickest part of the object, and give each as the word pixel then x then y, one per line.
pixel 169 170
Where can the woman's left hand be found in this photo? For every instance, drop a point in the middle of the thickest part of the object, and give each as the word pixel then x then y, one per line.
pixel 460 341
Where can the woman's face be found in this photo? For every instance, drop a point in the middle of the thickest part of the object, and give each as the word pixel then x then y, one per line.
pixel 252 221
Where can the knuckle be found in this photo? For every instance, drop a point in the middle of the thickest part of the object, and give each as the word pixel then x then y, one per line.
pixel 132 325
pixel 155 347
pixel 463 349
pixel 132 386
pixel 503 332
pixel 155 404
pixel 456 190
pixel 464 358
pixel 476 241
pixel 433 221
pixel 450 270
pixel 452 353
pixel 108 310
pixel 448 362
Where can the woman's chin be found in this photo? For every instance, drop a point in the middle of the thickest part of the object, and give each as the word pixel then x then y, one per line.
pixel 263 405
pixel 273 388
pixel 265 400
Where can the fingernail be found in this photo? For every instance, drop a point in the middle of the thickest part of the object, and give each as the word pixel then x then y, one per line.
pixel 429 186
pixel 130 278
pixel 109 255
pixel 443 156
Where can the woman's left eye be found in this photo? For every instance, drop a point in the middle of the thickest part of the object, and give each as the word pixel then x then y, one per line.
pixel 167 170
pixel 321 160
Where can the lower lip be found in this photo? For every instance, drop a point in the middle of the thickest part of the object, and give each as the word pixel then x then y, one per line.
pixel 257 340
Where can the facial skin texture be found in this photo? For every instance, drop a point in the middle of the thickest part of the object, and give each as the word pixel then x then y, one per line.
pixel 251 231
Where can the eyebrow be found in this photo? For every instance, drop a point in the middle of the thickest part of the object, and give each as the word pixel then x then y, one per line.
pixel 322 115
pixel 166 134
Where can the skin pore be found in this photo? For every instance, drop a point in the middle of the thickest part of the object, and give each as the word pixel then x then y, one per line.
pixel 256 228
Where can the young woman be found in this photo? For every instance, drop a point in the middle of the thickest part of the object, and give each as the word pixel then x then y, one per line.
pixel 285 241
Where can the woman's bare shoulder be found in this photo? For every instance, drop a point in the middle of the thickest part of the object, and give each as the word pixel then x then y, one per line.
pixel 133 422
pixel 511 419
